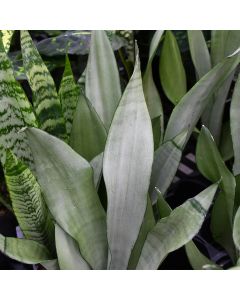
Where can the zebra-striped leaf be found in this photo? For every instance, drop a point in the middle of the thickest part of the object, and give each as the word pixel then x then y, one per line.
pixel 27 202
pixel 88 135
pixel 68 252
pixel 66 180
pixel 127 166
pixel 102 78
pixel 6 38
pixel 176 230
pixel 15 113
pixel 45 98
pixel 69 94
pixel 25 251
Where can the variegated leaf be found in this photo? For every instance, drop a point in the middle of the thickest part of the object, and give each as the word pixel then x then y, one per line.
pixel 66 180
pixel 23 250
pixel 176 230
pixel 45 98
pixel 15 113
pixel 68 252
pixel 127 166
pixel 102 78
pixel 69 94
pixel 6 38
pixel 27 202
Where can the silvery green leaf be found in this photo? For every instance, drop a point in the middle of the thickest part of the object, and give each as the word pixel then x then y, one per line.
pixel 127 167
pixel 102 86
pixel 66 180
pixel 176 230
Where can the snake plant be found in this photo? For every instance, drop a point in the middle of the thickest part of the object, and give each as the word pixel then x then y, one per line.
pixel 55 151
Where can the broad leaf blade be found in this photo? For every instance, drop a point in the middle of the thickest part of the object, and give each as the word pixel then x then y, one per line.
pixel 45 98
pixel 69 94
pixel 15 113
pixel 235 126
pixel 212 166
pixel 195 257
pixel 216 110
pixel 186 115
pixel 172 73
pixel 179 228
pixel 66 180
pixel 102 78
pixel 199 52
pixel 166 160
pixel 150 91
pixel 68 252
pixel 147 225
pixel 223 43
pixel 76 42
pixel 127 166
pixel 88 135
pixel 28 204
pixel 25 251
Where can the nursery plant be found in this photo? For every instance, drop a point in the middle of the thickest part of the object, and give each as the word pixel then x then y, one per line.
pixel 55 151
pixel 225 213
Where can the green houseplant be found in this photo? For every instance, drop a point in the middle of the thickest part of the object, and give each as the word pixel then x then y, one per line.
pixel 60 181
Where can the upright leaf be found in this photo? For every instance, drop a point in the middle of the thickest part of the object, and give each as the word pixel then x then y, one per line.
pixel 176 230
pixel 69 95
pixel 102 78
pixel 147 225
pixel 199 52
pixel 88 135
pixel 15 113
pixel 217 108
pixel 150 91
pixel 223 43
pixel 6 38
pixel 97 163
pixel 68 252
pixel 172 73
pixel 196 258
pixel 45 98
pixel 127 166
pixel 166 160
pixel 66 180
pixel 212 166
pixel 28 204
pixel 202 63
pixel 235 126
pixel 25 251
pixel 236 230
pixel 186 115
